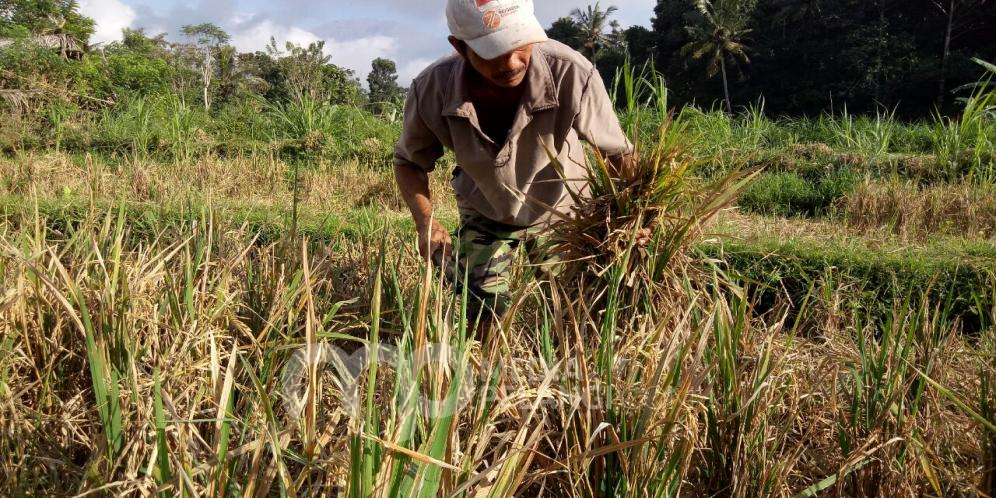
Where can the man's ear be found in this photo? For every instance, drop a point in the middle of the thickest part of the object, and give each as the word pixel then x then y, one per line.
pixel 459 45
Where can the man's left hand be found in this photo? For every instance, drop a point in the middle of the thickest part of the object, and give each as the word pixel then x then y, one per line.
pixel 623 166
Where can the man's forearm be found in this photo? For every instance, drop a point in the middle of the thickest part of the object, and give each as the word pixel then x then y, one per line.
pixel 414 186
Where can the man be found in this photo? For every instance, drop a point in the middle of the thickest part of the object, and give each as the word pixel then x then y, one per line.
pixel 505 100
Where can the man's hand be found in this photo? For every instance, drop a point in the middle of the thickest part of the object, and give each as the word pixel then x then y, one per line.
pixel 622 166
pixel 435 243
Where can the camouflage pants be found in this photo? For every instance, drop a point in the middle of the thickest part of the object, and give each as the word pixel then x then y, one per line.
pixel 484 252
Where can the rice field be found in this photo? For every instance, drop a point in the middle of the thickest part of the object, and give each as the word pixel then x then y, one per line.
pixel 774 307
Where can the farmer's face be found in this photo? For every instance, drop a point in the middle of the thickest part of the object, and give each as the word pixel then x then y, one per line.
pixel 507 71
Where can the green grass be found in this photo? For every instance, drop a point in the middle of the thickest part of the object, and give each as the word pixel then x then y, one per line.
pixel 790 269
pixel 168 129
pixel 791 194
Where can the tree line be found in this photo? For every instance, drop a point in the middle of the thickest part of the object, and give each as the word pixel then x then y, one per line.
pixel 800 57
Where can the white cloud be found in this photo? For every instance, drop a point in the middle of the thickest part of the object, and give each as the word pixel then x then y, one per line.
pixel 409 70
pixel 251 35
pixel 111 16
pixel 359 53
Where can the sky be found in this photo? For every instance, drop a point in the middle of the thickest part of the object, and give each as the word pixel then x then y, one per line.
pixel 410 32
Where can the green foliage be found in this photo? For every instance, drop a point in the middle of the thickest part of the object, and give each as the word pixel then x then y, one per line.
pixel 566 31
pixel 884 391
pixel 242 125
pixel 180 128
pixel 44 17
pixel 780 268
pixel 781 194
pixel 639 44
pixel 206 34
pixel 57 113
pixel 24 63
pixel 591 24
pixel 969 139
pixel 299 66
pixel 124 73
pixel 873 137
pixel 717 36
pixel 13 31
pixel 268 80
pixel 385 94
pixel 136 41
pixel 315 129
pixel 811 56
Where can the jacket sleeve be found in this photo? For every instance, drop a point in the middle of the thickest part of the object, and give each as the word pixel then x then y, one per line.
pixel 418 145
pixel 597 122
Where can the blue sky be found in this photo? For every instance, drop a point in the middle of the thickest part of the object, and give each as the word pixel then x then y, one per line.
pixel 410 32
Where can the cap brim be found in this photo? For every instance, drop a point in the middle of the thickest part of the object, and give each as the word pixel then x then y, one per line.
pixel 504 41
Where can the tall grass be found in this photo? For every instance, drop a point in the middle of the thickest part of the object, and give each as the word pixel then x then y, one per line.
pixel 871 137
pixel 948 148
pixel 884 394
pixel 58 114
pixel 180 129
pixel 968 139
pixel 142 133
pixel 750 412
pixel 172 347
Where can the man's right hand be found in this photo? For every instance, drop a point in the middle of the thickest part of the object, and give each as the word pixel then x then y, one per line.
pixel 435 243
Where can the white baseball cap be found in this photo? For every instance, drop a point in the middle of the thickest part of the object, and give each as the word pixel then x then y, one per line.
pixel 494 27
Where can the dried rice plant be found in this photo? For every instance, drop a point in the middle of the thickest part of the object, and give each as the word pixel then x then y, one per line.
pixel 634 229
pixel 913 212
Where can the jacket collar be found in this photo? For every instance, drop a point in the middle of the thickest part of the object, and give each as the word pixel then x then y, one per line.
pixel 540 92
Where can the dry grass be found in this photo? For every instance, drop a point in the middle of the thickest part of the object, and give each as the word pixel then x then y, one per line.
pixel 914 213
pixel 736 225
pixel 204 325
pixel 254 180
pixel 811 150
pixel 137 365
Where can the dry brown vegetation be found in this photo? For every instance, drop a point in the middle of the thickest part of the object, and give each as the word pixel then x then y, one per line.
pixel 258 181
pixel 914 212
pixel 173 331
pixel 138 363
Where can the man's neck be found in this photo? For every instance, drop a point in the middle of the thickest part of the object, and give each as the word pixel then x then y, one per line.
pixel 482 89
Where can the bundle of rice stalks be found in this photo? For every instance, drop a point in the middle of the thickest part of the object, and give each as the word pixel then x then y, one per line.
pixel 634 229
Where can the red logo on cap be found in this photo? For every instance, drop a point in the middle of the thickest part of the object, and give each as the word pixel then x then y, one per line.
pixel 492 19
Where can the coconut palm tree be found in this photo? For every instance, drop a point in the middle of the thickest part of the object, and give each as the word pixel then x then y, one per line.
pixel 592 23
pixel 718 35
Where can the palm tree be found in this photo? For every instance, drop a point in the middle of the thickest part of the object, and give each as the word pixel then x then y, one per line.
pixel 719 35
pixel 592 23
